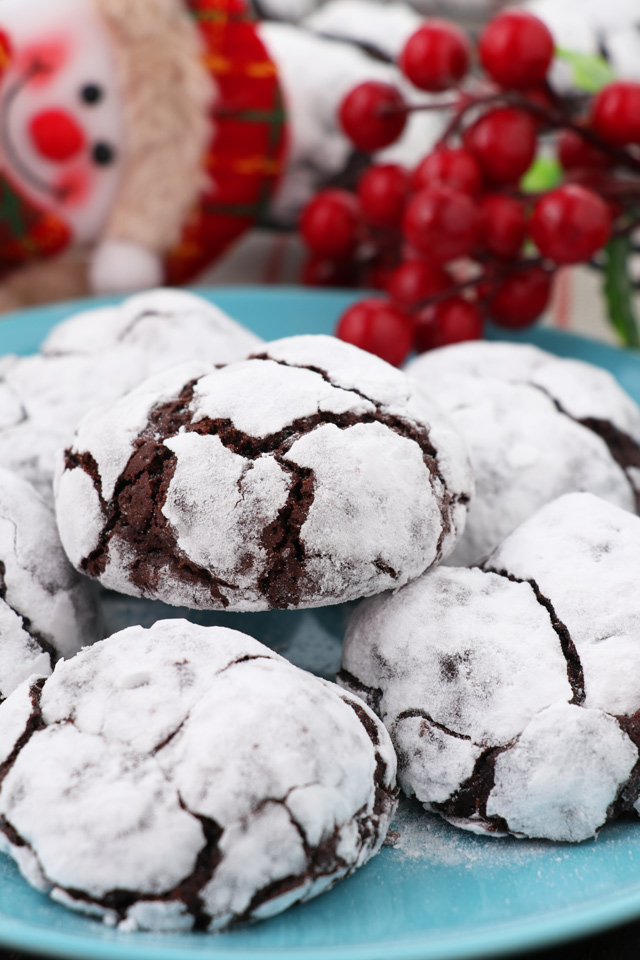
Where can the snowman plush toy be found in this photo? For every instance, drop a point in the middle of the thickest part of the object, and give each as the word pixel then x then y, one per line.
pixel 140 138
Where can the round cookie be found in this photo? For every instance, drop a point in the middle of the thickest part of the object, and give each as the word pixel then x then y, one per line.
pixel 188 777
pixel 46 610
pixel 537 427
pixel 311 474
pixel 95 357
pixel 512 691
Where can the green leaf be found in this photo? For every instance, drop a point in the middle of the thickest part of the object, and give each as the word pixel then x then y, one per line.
pixel 619 292
pixel 544 174
pixel 590 71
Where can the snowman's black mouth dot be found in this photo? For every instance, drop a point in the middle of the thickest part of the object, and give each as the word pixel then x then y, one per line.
pixel 91 94
pixel 103 154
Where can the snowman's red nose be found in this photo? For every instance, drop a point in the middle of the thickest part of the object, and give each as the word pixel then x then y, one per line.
pixel 56 135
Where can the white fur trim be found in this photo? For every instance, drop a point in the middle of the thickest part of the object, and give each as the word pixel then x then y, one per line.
pixel 119 267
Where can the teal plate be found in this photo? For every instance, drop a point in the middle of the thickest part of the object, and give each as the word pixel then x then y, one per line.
pixel 438 893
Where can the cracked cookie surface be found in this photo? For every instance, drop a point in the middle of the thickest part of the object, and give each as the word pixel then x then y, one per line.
pixel 537 426
pixel 188 777
pixel 46 609
pixel 512 691
pixel 96 356
pixel 310 474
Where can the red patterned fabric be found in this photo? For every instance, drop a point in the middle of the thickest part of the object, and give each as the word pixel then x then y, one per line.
pixel 247 151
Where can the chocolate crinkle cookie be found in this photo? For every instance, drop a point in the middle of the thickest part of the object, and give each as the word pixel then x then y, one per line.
pixel 188 777
pixel 93 358
pixel 537 426
pixel 46 609
pixel 512 691
pixel 310 474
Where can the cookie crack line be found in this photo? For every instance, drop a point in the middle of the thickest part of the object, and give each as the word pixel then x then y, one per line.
pixel 187 891
pixel 34 723
pixel 622 447
pixel 372 696
pixel 134 512
pixel 412 713
pixel 393 421
pixel 629 792
pixel 575 673
pixel 137 516
pixel 27 626
pixel 469 801
pixel 400 426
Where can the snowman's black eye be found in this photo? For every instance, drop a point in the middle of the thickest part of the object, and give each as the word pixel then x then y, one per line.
pixel 103 154
pixel 91 93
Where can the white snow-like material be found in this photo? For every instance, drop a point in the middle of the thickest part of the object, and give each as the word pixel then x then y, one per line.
pixel 247 497
pixel 359 472
pixel 312 453
pixel 522 412
pixel 112 429
pixel 585 554
pixel 156 744
pixel 46 609
pixel 531 661
pixel 293 394
pixel 385 27
pixel 316 73
pixel 95 357
pixel 119 266
pixel 560 777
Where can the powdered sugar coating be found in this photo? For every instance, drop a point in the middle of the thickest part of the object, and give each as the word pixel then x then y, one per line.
pixel 595 758
pixel 46 609
pixel 511 692
pixel 96 356
pixel 188 776
pixel 307 475
pixel 537 427
pixel 580 548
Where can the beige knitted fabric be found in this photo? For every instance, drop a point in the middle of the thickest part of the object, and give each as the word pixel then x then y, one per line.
pixel 167 93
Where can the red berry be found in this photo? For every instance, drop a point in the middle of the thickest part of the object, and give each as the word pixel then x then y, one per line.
pixel 415 281
pixel 504 225
pixel 451 321
pixel 436 57
pixel 504 143
pixel 379 327
pixel 442 223
pixel 570 224
pixel 455 168
pixel 323 272
pixel 521 298
pixel 330 223
pixel 598 181
pixel 516 49
pixel 576 153
pixel 373 115
pixel 616 112
pixel 383 191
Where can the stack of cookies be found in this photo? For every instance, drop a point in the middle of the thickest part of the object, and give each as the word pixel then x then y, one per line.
pixel 188 777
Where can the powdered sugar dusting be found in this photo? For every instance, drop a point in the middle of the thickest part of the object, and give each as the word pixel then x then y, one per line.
pixel 536 426
pixel 97 356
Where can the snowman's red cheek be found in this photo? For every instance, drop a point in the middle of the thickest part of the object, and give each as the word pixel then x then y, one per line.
pixel 56 135
pixel 41 61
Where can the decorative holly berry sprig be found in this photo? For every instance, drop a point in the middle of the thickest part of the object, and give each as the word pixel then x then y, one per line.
pixel 470 234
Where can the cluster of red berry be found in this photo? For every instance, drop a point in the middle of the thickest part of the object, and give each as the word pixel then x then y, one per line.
pixel 456 240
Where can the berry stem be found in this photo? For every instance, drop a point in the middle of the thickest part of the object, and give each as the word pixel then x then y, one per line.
pixel 490 277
